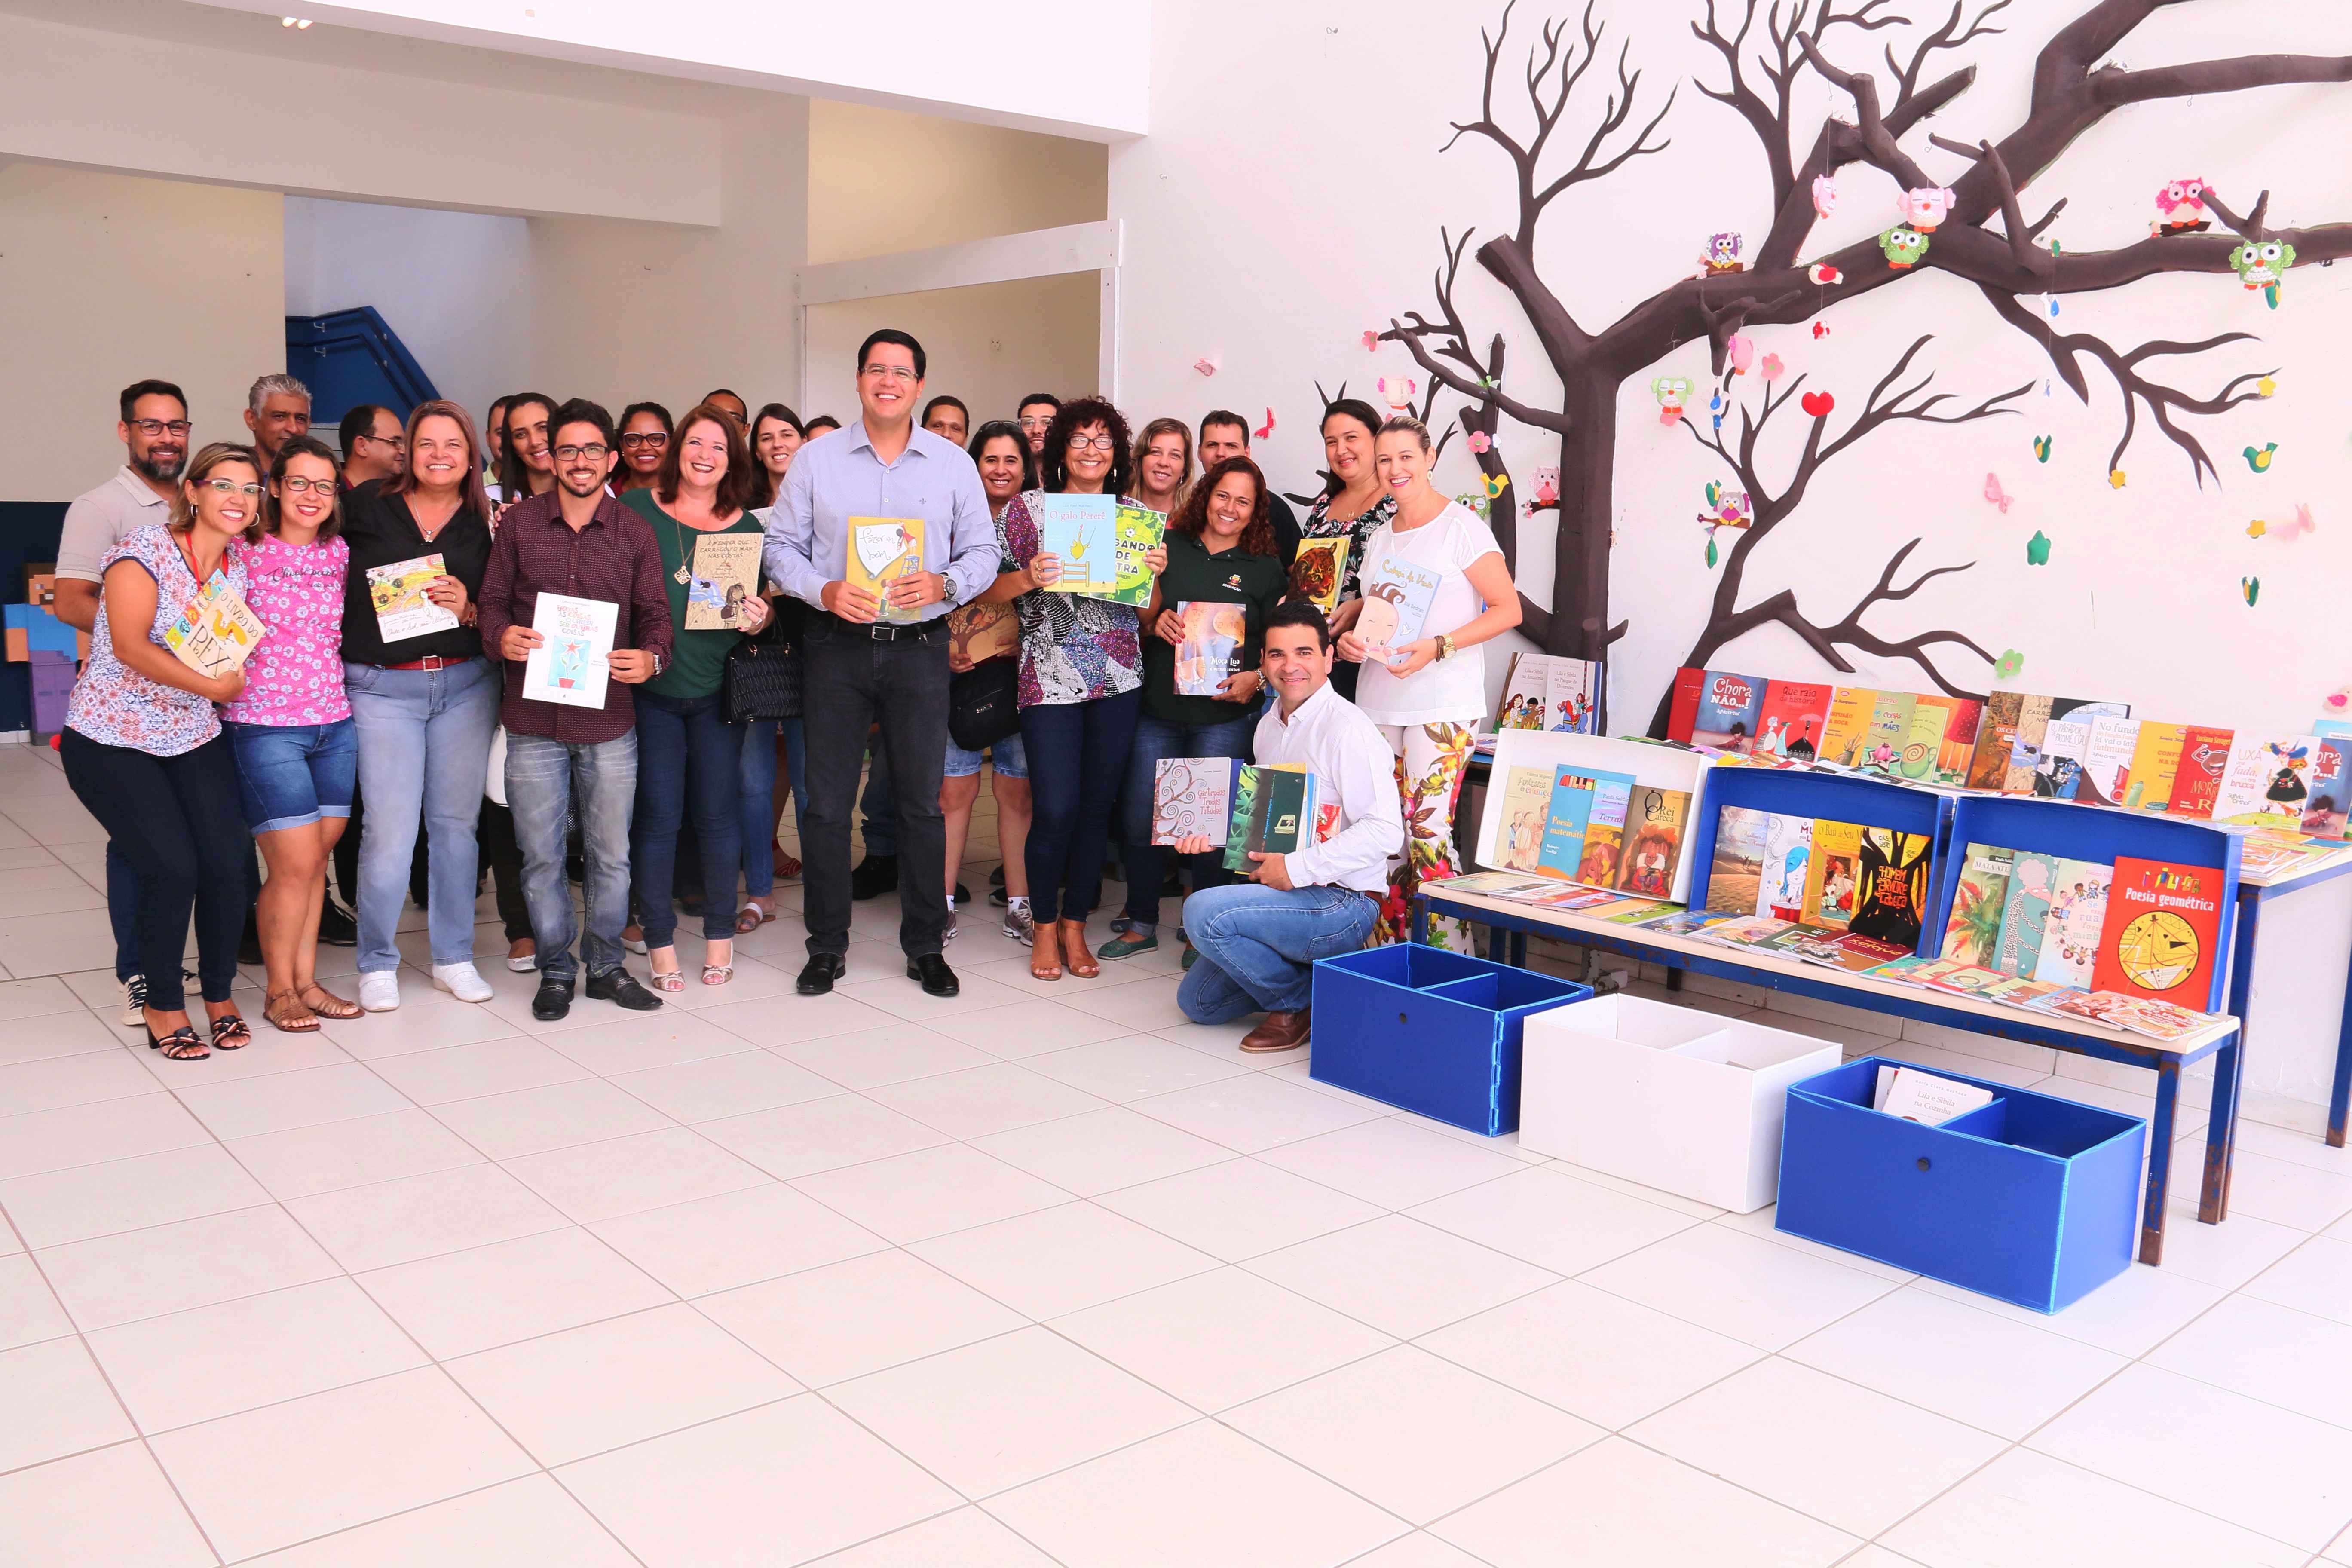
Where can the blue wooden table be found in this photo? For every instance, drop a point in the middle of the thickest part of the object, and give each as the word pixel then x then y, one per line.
pixel 2083 1038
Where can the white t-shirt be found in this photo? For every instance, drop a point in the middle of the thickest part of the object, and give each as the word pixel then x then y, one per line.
pixel 1446 690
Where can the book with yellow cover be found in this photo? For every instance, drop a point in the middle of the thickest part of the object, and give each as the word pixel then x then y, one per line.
pixel 1832 875
pixel 2155 766
pixel 881 550
pixel 1320 567
pixel 216 633
pixel 1849 726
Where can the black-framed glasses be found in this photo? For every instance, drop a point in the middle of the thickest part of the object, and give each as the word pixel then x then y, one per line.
pixel 394 442
pixel 594 452
pixel 153 428
pixel 640 440
pixel 231 488
pixel 296 486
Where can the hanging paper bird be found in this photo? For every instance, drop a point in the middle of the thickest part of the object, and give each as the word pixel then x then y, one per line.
pixel 1821 328
pixel 2251 587
pixel 1822 273
pixel 1547 487
pixel 2261 264
pixel 1267 429
pixel 1725 508
pixel 1494 483
pixel 1825 195
pixel 2258 458
pixel 1717 408
pixel 1995 494
pixel 2037 549
pixel 1740 352
pixel 1925 209
pixel 2042 445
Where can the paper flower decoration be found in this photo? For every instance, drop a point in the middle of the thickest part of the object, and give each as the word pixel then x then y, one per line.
pixel 1772 369
pixel 2257 528
pixel 2037 549
pixel 2012 661
pixel 1480 442
pixel 2116 478
pixel 2266 387
pixel 1371 339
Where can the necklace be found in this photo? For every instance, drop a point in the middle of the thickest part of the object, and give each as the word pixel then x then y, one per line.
pixel 684 575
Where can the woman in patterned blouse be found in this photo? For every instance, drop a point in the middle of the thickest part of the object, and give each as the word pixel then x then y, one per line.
pixel 1354 504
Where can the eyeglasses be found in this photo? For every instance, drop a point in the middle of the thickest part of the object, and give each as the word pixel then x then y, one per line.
pixel 295 487
pixel 394 442
pixel 594 452
pixel 1092 443
pixel 896 373
pixel 656 439
pixel 151 427
pixel 231 488
pixel 1036 422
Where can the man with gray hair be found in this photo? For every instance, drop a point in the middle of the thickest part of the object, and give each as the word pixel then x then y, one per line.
pixel 277 409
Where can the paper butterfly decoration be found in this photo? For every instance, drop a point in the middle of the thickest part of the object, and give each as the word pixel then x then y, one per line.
pixel 1205 365
pixel 1397 392
pixel 2251 587
pixel 1825 195
pixel 1822 273
pixel 2258 458
pixel 2302 524
pixel 1672 392
pixel 2011 663
pixel 1267 428
pixel 1995 494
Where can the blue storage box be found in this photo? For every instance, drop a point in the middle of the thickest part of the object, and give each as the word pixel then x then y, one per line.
pixel 1432 1031
pixel 2031 1199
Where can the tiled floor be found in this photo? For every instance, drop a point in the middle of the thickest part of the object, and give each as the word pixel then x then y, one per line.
pixel 1042 1276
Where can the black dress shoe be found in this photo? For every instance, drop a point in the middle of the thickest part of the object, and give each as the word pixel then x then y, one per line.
pixel 963 894
pixel 874 875
pixel 337 928
pixel 619 987
pixel 820 972
pixel 932 970
pixel 553 1000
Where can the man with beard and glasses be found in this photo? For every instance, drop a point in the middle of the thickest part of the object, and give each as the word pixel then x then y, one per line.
pixel 153 429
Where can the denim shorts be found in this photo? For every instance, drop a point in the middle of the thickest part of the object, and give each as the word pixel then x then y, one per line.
pixel 1012 761
pixel 290 776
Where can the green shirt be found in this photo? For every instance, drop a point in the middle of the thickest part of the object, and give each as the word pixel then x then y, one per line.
pixel 698 660
pixel 1194 575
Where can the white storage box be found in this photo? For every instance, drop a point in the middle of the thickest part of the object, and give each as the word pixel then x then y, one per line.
pixel 1672 1097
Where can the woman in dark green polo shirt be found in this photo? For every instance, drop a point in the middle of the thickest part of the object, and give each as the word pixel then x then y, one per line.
pixel 1200 690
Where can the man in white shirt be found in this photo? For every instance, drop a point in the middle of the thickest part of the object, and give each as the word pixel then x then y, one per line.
pixel 1258 940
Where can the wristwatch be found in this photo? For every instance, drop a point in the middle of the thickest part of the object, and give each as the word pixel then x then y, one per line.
pixel 1445 646
pixel 658 665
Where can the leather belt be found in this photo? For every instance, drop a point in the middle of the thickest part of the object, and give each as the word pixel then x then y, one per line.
pixel 888 631
pixel 430 661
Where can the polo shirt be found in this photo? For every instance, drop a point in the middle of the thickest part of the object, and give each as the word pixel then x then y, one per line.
pixel 613 558
pixel 101 518
pixel 1193 575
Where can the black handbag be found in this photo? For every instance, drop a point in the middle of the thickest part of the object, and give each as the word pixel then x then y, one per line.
pixel 984 704
pixel 762 677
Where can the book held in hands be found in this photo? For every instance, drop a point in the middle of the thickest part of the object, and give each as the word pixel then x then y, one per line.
pixel 725 577
pixel 217 632
pixel 882 550
pixel 571 665
pixel 402 607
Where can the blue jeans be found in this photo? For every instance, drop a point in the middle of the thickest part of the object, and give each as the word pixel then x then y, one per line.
pixel 1147 863
pixel 548 784
pixel 424 751
pixel 671 730
pixel 1259 946
pixel 291 775
pixel 759 783
pixel 1077 755
pixel 123 911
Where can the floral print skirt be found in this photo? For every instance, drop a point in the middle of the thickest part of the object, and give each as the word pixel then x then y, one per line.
pixel 1430 760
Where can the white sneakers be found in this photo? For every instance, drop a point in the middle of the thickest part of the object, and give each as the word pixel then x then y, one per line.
pixel 134 1002
pixel 460 980
pixel 380 990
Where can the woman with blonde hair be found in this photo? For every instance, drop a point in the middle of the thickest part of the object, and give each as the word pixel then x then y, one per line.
pixel 1162 465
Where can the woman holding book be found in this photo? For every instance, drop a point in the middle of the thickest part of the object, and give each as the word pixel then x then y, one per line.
pixel 290 729
pixel 1201 677
pixel 684 740
pixel 1434 588
pixel 143 751
pixel 644 437
pixel 1353 506
pixel 1006 468
pixel 773 747
pixel 424 702
pixel 1081 679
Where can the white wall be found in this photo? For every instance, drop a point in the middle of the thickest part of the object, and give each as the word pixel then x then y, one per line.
pixel 883 180
pixel 105 281
pixel 989 344
pixel 456 287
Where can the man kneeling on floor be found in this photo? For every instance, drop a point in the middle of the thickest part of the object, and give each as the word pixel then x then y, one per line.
pixel 1258 940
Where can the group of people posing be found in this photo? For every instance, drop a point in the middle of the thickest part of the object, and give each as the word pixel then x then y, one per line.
pixel 681 762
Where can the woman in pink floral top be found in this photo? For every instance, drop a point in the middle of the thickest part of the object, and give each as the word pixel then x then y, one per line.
pixel 296 748
pixel 143 751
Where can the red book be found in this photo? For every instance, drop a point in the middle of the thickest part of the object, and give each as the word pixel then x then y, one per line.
pixel 1952 762
pixel 1791 718
pixel 1684 712
pixel 2163 932
pixel 2204 757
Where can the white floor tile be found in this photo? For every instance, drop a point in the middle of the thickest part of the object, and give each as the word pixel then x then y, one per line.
pixel 635 1042
pixel 1062 1259
pixel 2128 1314
pixel 891 1054
pixel 2226 1255
pixel 53 1033
pixel 1552 1219
pixel 1249 1113
pixel 88 1134
pixel 930 1192
pixel 984 1100
pixel 425 1021
pixel 1132 1067
pixel 2271 1352
pixel 558 1116
pixel 279 1100
pixel 1400 1276
pixel 28 1308
pixel 1239 1208
pixel 778 1484
pixel 471 1072
pixel 1415 1550
pixel 2315 1277
pixel 1100 1151
pixel 490 1296
pixel 731 1085
pixel 74 1204
pixel 171 1267
pixel 735 1238
pixel 304 1160
pixel 901 997
pixel 849 1319
pixel 819 1135
pixel 966 1538
pixel 1018 1028
pixel 1199 1496
pixel 83 1079
pixel 1390 1163
pixel 771 1024
pixel 1735 1284
pixel 1215 1339
pixel 111 1507
pixel 529 1520
pixel 401 1221
pixel 1615 1502
pixel 57 1404
pixel 625 1175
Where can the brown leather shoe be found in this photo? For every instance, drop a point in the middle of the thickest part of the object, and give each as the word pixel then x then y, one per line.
pixel 1280 1032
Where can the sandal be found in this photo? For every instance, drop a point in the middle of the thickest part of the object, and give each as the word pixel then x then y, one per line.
pixel 181 1045
pixel 787 868
pixel 1046 952
pixel 289 1014
pixel 670 980
pixel 231 1033
pixel 720 973
pixel 326 1004
pixel 752 917
pixel 1080 960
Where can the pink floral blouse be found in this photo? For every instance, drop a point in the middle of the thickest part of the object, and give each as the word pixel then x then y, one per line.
pixel 296 673
pixel 114 704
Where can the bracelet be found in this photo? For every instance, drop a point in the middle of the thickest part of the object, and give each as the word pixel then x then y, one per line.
pixel 1445 646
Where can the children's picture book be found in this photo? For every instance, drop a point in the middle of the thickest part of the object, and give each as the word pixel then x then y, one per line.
pixel 1138 531
pixel 1524 698
pixel 1567 812
pixel 2162 931
pixel 2204 760
pixel 1958 752
pixel 1926 1097
pixel 1081 533
pixel 1972 929
pixel 1727 706
pixel 2158 1020
pixel 1996 727
pixel 2324 812
pixel 1681 922
pixel 1793 718
pixel 2107 761
pixel 1211 653
pixel 2264 782
pixel 1788 856
pixel 1848 735
pixel 1922 740
pixel 1193 797
pixel 2078 913
pixel 1969 979
pixel 1832 875
pixel 1527 812
pixel 397 592
pixel 1320 566
pixel 881 550
pixel 2155 766
pixel 1858 955
pixel 1890 728
pixel 1894 886
pixel 979 632
pixel 216 632
pixel 1398 594
pixel 568 666
pixel 1604 832
pixel 2058 768
pixel 2032 737
pixel 2033 886
pixel 1655 821
pixel 725 575
pixel 1735 881
pixel 1571 694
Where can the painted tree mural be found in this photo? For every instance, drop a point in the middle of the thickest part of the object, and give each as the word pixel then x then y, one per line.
pixel 1982 237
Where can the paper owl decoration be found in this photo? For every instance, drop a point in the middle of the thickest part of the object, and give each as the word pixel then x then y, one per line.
pixel 1672 392
pixel 1547 487
pixel 1905 248
pixel 1825 195
pixel 2182 205
pixel 1722 253
pixel 1923 209
pixel 1397 392
pixel 2260 263
pixel 1725 508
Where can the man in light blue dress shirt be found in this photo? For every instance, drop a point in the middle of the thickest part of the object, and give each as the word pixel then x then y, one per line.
pixel 861 664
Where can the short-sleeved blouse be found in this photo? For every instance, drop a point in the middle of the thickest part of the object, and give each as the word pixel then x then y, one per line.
pixel 114 704
pixel 1319 523
pixel 296 674
pixel 1073 649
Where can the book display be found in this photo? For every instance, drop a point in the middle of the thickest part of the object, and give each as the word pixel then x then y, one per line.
pixel 1544 691
pixel 1609 815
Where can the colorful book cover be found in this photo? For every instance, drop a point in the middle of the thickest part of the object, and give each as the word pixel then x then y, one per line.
pixel 2204 761
pixel 884 549
pixel 1734 880
pixel 1893 892
pixel 1890 728
pixel 2107 761
pixel 1571 689
pixel 1745 931
pixel 1957 753
pixel 2058 769
pixel 2032 725
pixel 1136 531
pixel 2264 782
pixel 1681 922
pixel 1194 796
pixel 1525 806
pixel 2078 913
pixel 1211 653
pixel 979 632
pixel 1398 594
pixel 1319 569
pixel 2162 933
pixel 725 575
pixel 1792 719
pixel 2158 1020
pixel 1604 834
pixel 2033 887
pixel 1081 533
pixel 1996 727
pixel 1524 698
pixel 2324 812
pixel 217 631
pixel 1787 857
pixel 2015 993
pixel 1923 740
pixel 1633 911
pixel 2155 766
pixel 1566 816
pixel 1655 822
pixel 1860 954
pixel 1727 705
pixel 1237 832
pixel 1834 875
pixel 1848 735
pixel 1966 980
pixel 397 592
pixel 1972 929
pixel 1681 705
pixel 571 663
